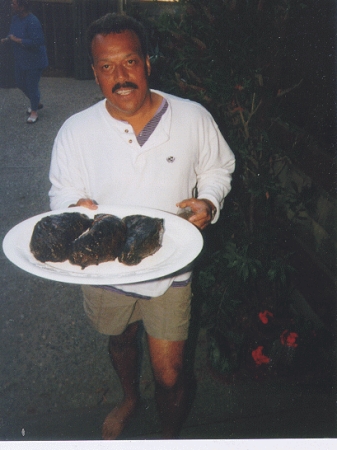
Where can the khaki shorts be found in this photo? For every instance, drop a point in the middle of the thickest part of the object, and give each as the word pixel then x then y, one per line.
pixel 165 317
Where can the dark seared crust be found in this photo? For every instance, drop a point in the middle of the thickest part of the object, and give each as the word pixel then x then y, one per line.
pixel 144 238
pixel 102 242
pixel 53 235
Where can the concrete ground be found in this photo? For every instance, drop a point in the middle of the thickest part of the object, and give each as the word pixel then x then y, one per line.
pixel 56 382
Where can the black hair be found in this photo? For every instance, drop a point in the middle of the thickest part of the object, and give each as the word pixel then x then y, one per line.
pixel 116 23
pixel 23 3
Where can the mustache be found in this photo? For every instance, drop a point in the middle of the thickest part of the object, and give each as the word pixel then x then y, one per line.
pixel 127 84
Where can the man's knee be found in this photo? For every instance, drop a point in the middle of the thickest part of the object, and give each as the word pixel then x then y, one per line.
pixel 167 361
pixel 168 377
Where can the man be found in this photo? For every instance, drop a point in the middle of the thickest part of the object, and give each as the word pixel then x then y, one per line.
pixel 30 55
pixel 145 148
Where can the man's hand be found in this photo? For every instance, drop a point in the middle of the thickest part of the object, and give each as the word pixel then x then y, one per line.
pixel 15 39
pixel 202 210
pixel 86 202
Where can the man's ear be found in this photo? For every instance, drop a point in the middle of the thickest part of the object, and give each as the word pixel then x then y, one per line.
pixel 148 65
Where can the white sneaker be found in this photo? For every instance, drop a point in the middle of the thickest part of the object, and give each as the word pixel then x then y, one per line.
pixel 29 110
pixel 32 119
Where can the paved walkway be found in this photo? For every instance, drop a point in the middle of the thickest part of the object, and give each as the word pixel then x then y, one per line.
pixel 56 381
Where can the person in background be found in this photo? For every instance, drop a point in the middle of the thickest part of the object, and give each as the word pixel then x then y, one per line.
pixel 141 147
pixel 30 54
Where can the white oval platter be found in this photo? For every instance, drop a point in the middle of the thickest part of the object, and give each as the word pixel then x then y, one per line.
pixel 182 242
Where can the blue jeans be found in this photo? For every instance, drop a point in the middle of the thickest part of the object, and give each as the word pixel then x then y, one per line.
pixel 28 81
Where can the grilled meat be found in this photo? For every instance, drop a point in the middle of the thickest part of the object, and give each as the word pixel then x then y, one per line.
pixel 53 235
pixel 143 238
pixel 102 242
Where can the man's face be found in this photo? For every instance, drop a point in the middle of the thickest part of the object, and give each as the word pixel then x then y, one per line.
pixel 122 73
pixel 14 6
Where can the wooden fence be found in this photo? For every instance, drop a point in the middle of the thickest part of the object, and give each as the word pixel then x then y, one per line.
pixel 65 23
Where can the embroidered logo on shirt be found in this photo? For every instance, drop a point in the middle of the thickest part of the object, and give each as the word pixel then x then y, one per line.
pixel 170 159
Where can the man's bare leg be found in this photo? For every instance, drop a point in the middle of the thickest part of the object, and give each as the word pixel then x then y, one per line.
pixel 123 351
pixel 167 362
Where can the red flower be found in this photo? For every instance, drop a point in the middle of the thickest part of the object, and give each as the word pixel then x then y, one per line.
pixel 238 87
pixel 289 338
pixel 259 357
pixel 263 316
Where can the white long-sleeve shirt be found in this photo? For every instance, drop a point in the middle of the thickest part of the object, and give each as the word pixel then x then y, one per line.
pixel 96 156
